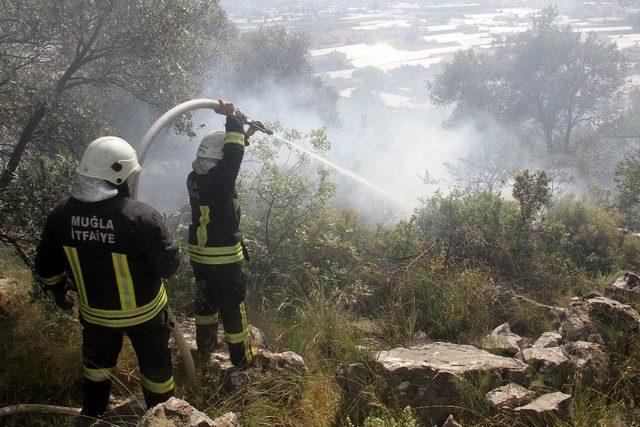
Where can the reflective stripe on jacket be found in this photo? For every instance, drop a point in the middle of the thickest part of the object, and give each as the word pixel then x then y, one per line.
pixel 214 233
pixel 116 252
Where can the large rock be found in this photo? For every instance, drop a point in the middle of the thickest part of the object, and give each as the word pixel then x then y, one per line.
pixel 178 413
pixel 509 396
pixel 428 378
pixel 612 313
pixel 502 341
pixel 576 323
pixel 551 363
pixel 590 362
pixel 626 289
pixel 597 315
pixel 547 340
pixel 546 409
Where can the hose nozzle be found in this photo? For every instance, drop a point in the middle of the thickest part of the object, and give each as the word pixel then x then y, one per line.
pixel 244 119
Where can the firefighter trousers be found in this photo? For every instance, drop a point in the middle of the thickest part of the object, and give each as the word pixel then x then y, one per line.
pixel 220 296
pixel 100 349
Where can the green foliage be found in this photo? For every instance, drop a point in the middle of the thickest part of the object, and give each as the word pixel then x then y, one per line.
pixel 445 303
pixel 542 82
pixel 593 235
pixel 627 177
pixel 631 252
pixel 532 193
pixel 404 419
pixel 66 64
pixel 40 185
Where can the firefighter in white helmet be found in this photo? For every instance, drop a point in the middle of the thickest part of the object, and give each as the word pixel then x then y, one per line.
pixel 215 248
pixel 115 251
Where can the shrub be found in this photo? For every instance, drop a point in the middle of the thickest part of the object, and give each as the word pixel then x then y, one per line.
pixel 447 304
pixel 593 234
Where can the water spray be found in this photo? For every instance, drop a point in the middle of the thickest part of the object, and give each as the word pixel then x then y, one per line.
pixel 196 104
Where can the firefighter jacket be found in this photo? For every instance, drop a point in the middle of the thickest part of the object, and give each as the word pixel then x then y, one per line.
pixel 214 233
pixel 116 252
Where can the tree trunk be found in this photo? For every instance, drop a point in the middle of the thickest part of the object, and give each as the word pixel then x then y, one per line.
pixel 18 150
pixel 33 122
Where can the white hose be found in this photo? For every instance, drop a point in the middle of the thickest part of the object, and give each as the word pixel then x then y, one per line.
pixel 143 149
pixel 160 124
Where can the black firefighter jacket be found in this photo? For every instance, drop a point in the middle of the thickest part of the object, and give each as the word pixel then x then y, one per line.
pixel 214 234
pixel 116 252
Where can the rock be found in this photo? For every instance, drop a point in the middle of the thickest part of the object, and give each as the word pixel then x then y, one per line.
pixel 551 363
pixel 626 289
pixel 590 362
pixel 428 377
pixel 287 361
pixel 576 323
pixel 178 413
pixel 611 313
pixel 233 379
pixel 587 317
pixel 546 409
pixel 451 422
pixel 596 338
pixel 419 338
pixel 257 338
pixel 502 341
pixel 547 340
pixel 510 395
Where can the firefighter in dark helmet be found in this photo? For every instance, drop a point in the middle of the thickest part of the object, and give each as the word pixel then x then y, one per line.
pixel 216 250
pixel 115 251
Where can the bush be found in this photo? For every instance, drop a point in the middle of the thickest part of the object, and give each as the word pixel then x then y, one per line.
pixel 448 304
pixel 592 233
pixel 631 252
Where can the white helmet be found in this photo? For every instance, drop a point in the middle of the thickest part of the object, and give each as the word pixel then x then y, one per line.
pixel 211 146
pixel 109 158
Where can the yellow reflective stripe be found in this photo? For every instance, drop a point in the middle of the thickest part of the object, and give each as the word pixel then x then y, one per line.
pixel 236 338
pixel 74 262
pixel 201 232
pixel 159 388
pixel 220 260
pixel 218 250
pixel 98 375
pixel 234 138
pixel 53 280
pixel 121 323
pixel 247 344
pixel 125 282
pixel 160 298
pixel 206 320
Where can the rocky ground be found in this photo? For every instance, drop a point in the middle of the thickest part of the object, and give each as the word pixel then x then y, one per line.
pixel 433 378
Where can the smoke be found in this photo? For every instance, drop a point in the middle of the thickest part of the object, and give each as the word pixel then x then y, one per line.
pixel 394 148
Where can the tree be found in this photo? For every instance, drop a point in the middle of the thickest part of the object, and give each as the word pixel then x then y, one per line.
pixel 68 64
pixel 532 192
pixel 542 83
pixel 283 194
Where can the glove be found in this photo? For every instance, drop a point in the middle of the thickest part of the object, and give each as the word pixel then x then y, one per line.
pixel 59 294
